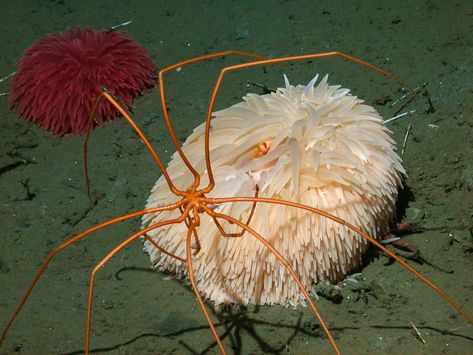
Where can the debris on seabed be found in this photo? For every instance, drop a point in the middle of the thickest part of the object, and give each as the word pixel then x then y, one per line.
pixel 120 25
pixel 417 333
pixel 398 116
pixel 409 93
pixel 405 138
pixel 7 77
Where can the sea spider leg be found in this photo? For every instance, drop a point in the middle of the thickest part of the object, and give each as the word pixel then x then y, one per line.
pixel 224 71
pixel 164 105
pixel 188 260
pixel 286 264
pixel 190 271
pixel 106 96
pixel 108 257
pixel 416 273
pixel 162 250
pixel 69 242
pixel 184 213
pixel 239 234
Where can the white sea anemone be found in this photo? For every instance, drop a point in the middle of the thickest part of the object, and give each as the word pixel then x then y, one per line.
pixel 316 145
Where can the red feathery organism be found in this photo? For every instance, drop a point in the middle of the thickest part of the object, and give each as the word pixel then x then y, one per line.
pixel 60 76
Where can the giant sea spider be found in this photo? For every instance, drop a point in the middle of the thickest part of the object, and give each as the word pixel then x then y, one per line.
pixel 192 203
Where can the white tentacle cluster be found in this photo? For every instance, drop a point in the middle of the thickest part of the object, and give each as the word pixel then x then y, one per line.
pixel 316 145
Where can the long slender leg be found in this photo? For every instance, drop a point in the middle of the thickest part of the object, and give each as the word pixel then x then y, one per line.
pixel 162 250
pixel 190 270
pixel 228 69
pixel 107 258
pixel 69 242
pixel 288 268
pixel 164 105
pixel 106 96
pixel 239 234
pixel 356 230
pixel 125 114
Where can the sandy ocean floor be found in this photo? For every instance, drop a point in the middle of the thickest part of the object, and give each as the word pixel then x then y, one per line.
pixel 138 311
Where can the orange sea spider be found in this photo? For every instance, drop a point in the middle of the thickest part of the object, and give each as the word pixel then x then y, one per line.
pixel 193 204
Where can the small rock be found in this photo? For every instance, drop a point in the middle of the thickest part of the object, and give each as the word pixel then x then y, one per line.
pixel 357 286
pixel 467 176
pixel 243 31
pixel 414 214
pixel 453 159
pixel 329 292
pixel 4 269
pixel 21 223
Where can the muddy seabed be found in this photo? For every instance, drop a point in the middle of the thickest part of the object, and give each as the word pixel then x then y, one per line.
pixel 139 311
